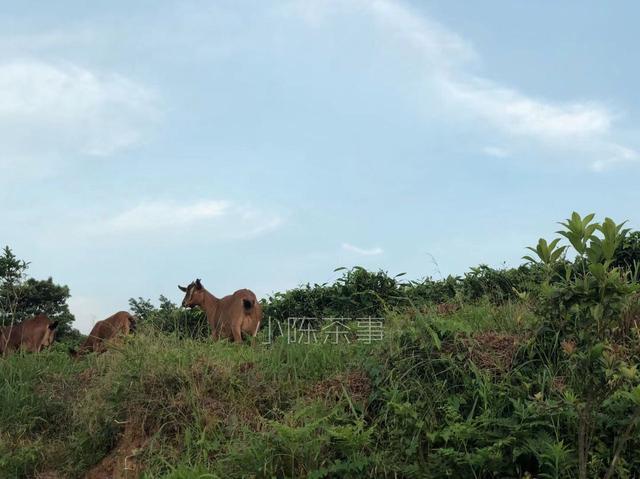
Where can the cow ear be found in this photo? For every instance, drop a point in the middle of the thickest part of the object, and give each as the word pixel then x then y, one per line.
pixel 182 288
pixel 198 284
pixel 54 325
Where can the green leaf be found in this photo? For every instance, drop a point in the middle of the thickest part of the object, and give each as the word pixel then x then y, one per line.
pixel 596 351
pixel 597 270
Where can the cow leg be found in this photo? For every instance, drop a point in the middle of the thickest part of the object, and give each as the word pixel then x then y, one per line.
pixel 236 330
pixel 215 329
pixel 251 330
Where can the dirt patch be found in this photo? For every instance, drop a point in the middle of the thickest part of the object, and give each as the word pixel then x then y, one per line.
pixel 356 383
pixel 123 460
pixel 48 475
pixel 62 387
pixel 244 367
pixel 446 309
pixel 87 376
pixel 209 386
pixel 490 350
pixel 206 370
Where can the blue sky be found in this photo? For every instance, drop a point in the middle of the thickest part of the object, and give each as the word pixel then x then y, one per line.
pixel 263 144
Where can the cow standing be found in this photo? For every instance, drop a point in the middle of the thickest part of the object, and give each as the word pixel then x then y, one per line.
pixel 228 317
pixel 32 335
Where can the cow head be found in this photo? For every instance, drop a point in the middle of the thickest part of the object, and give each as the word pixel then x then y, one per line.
pixel 194 294
pixel 133 324
pixel 49 334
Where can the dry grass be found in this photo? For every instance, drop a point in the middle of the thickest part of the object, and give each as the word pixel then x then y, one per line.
pixel 489 350
pixel 355 383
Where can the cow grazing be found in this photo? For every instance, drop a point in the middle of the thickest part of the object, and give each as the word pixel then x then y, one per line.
pixel 120 324
pixel 228 317
pixel 32 335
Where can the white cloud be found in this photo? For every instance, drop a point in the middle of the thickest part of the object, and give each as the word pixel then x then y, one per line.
pixel 439 47
pixel 518 114
pixel 495 151
pixel 617 154
pixel 442 60
pixel 160 215
pixel 432 42
pixel 54 110
pixel 229 220
pixel 362 251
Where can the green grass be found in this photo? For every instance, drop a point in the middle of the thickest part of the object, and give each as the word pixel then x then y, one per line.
pixel 197 403
pixel 422 403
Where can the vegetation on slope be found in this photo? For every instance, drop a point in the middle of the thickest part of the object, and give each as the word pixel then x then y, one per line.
pixel 541 381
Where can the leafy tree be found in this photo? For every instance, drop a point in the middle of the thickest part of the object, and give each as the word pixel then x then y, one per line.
pixel 44 296
pixel 141 308
pixel 627 254
pixel 22 298
pixel 12 272
pixel 166 305
pixel 169 318
pixel 583 336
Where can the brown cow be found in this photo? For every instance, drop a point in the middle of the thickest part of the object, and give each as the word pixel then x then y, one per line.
pixel 228 317
pixel 120 324
pixel 32 334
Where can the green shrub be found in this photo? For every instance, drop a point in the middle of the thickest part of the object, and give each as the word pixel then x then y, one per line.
pixel 533 372
pixel 584 338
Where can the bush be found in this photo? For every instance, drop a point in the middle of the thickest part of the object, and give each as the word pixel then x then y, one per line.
pixel 168 318
pixel 361 293
pixel 583 336
pixel 532 374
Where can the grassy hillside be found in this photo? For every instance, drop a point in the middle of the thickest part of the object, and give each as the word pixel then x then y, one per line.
pixel 459 395
pixel 530 372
